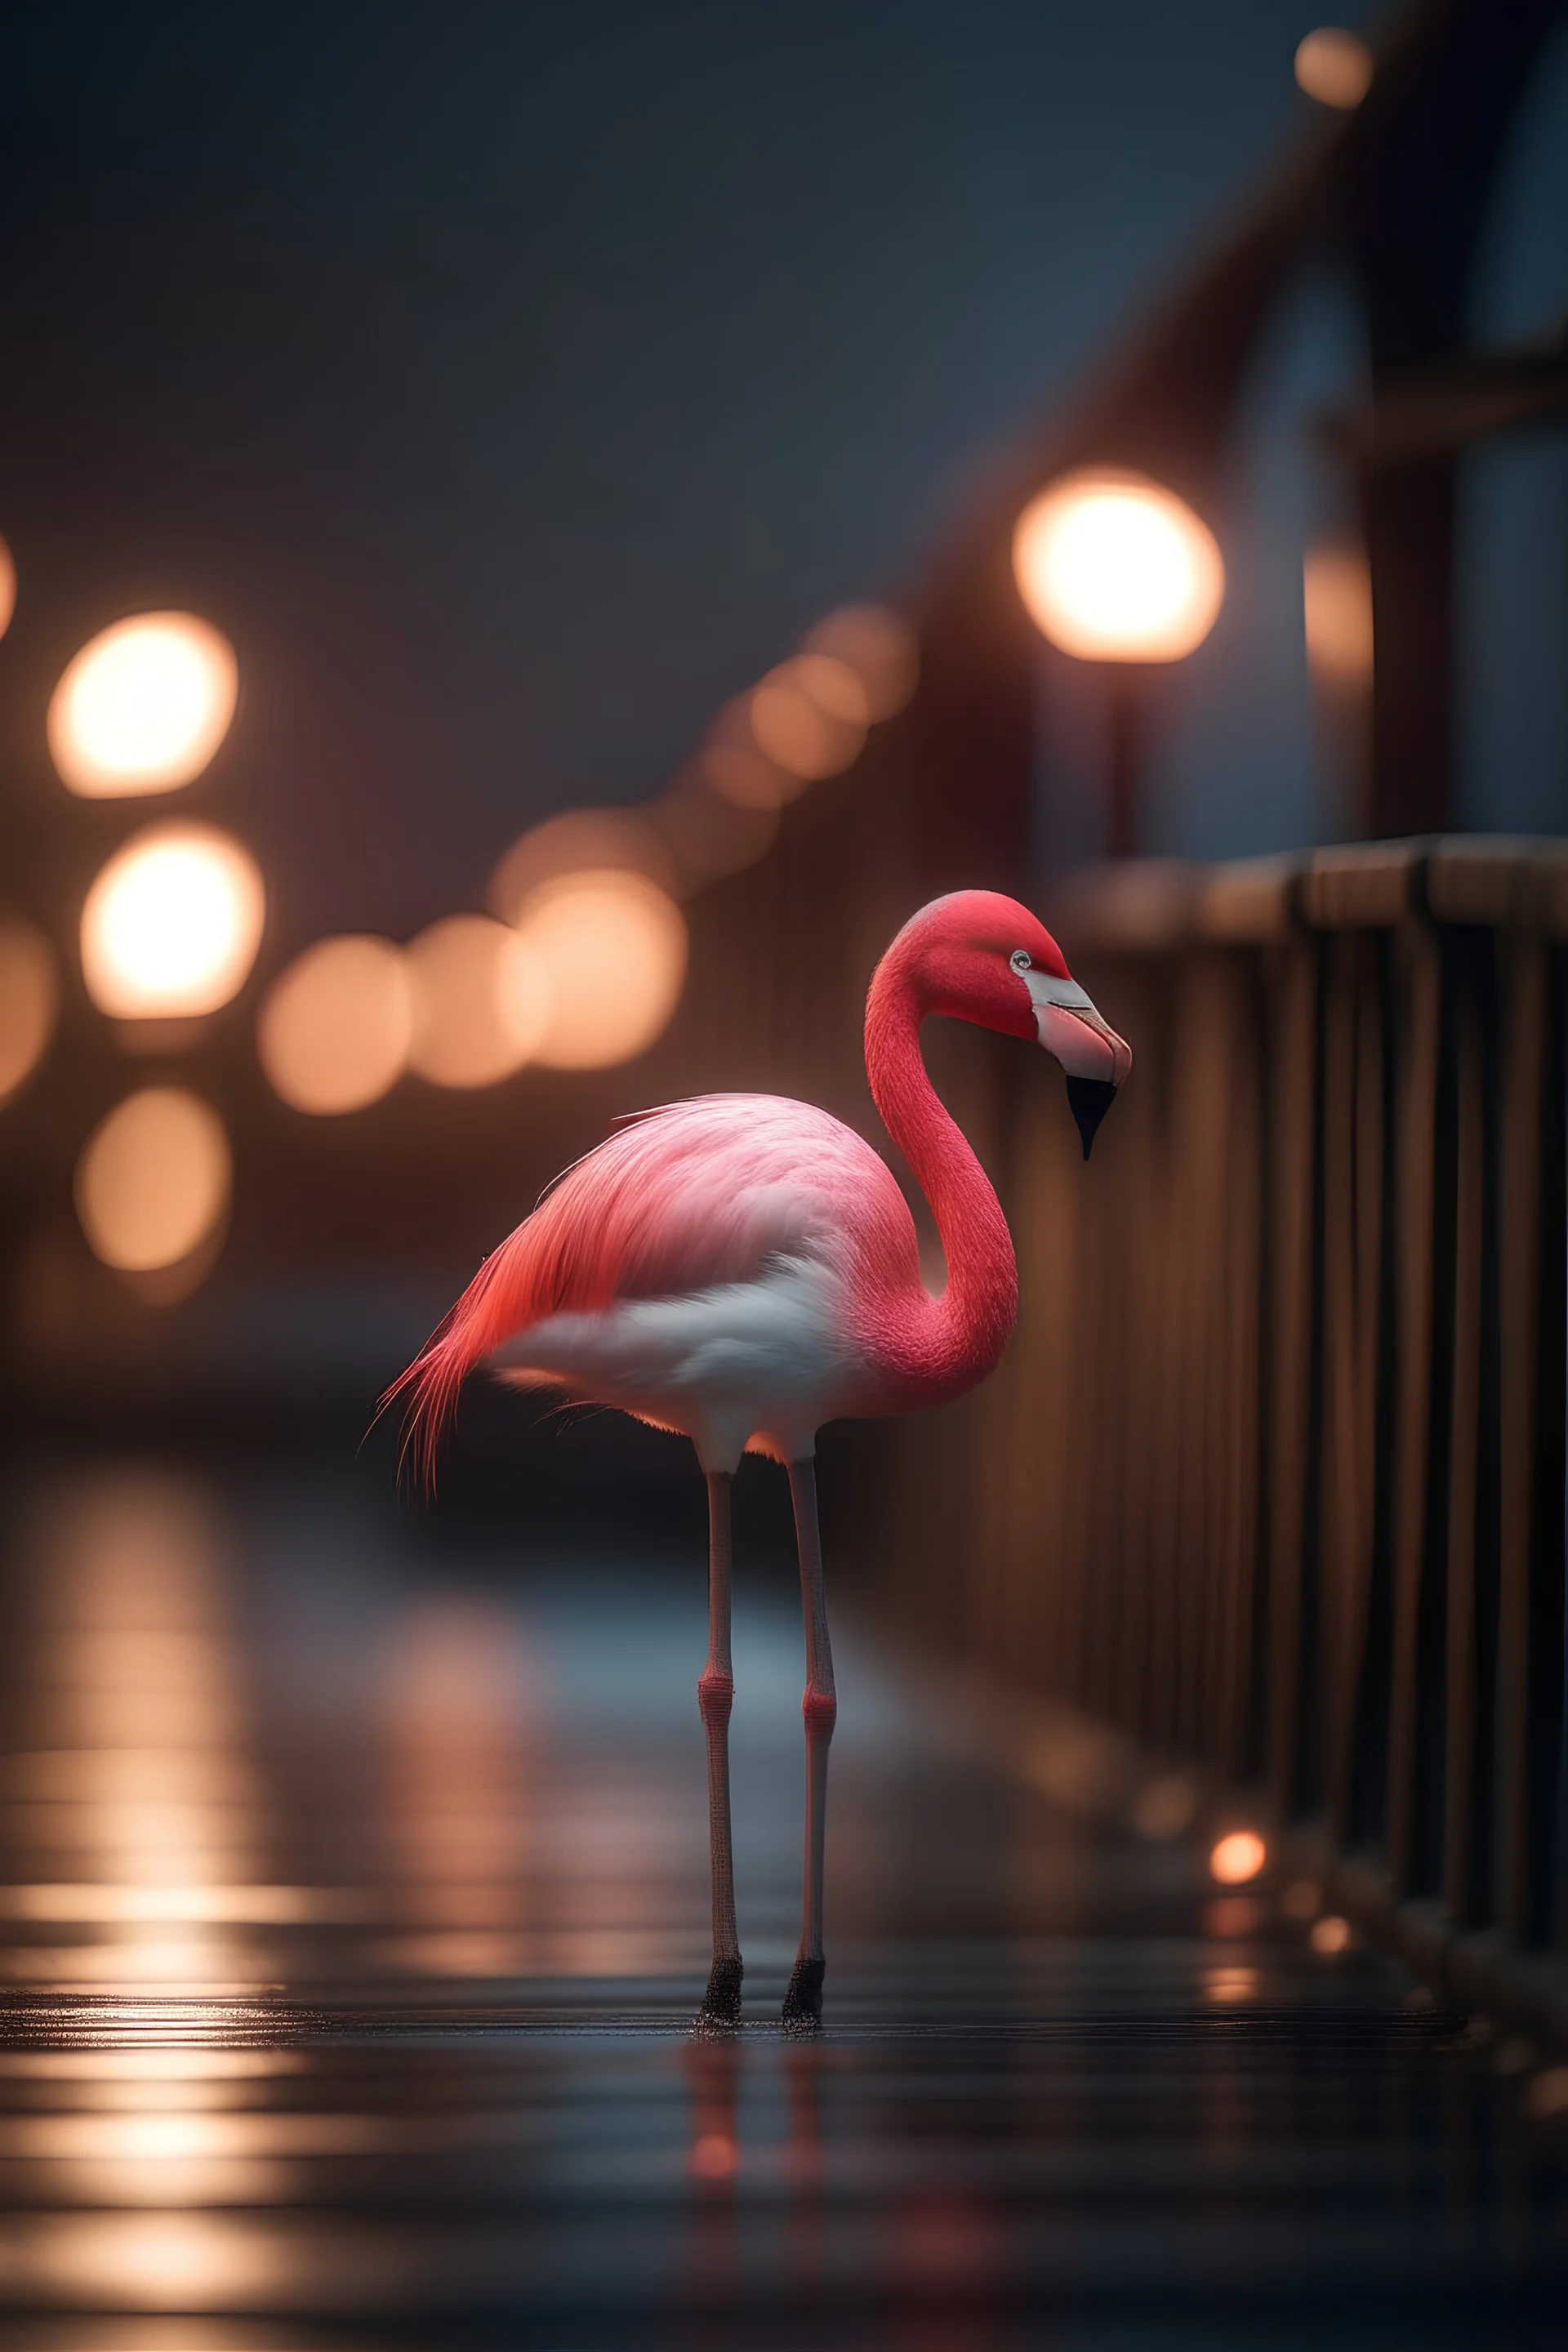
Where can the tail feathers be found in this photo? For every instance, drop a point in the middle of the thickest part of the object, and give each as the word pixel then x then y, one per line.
pixel 497 1303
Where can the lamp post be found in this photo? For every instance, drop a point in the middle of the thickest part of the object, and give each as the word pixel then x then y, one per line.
pixel 1116 569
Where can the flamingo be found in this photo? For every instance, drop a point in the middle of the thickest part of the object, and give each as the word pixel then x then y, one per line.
pixel 742 1269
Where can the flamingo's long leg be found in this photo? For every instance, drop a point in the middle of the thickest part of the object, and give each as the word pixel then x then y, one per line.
pixel 715 1697
pixel 802 2001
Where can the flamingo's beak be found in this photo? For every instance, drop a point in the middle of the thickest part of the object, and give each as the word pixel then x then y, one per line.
pixel 1095 1058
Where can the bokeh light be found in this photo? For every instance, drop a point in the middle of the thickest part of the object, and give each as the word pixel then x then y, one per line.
pixel 733 764
pixel 7 587
pixel 481 999
pixel 142 707
pixel 153 1181
pixel 1236 1857
pixel 1231 1916
pixel 1111 567
pixel 614 947
pixel 334 1031
pixel 171 924
pixel 1334 66
pixel 709 833
pixel 1336 593
pixel 30 1001
pixel 714 2157
pixel 579 839
pixel 810 716
pixel 878 645
pixel 1331 1935
pixel 1230 1986
pixel 1164 1807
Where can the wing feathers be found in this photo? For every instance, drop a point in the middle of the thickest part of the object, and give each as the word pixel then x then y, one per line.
pixel 681 1200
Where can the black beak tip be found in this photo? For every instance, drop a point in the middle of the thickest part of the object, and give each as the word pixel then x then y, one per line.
pixel 1089 1099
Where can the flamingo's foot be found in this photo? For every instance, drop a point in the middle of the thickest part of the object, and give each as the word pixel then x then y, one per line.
pixel 721 2001
pixel 802 2001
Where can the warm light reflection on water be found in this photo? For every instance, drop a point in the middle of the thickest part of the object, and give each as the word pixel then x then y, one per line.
pixel 247 1906
pixel 452 1811
pixel 1228 1986
pixel 461 1704
pixel 147 1784
pixel 178 2262
pixel 180 2066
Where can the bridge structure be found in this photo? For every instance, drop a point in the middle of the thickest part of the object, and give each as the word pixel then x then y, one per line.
pixel 1198 1890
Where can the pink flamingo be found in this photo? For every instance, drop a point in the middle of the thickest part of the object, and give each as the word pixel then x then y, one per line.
pixel 741 1268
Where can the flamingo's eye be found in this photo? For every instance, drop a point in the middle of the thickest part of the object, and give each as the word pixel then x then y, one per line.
pixel 1020 960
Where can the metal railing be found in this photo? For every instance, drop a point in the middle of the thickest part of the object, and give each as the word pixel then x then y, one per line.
pixel 1273 1474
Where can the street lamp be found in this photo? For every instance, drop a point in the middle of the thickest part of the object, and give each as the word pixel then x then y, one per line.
pixel 1113 568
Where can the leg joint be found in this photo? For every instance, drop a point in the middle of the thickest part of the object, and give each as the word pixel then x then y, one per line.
pixel 715 1696
pixel 820 1709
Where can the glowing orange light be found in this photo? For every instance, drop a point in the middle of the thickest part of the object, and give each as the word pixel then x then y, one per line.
pixel 714 2157
pixel 1548 2093
pixel 171 924
pixel 482 1001
pixel 734 765
pixel 1334 66
pixel 30 1000
pixel 879 646
pixel 1331 1935
pixel 1227 1986
pixel 7 587
pixel 143 706
pixel 1233 1914
pixel 709 833
pixel 1236 1857
pixel 1165 1808
pixel 1336 586
pixel 810 716
pixel 335 1031
pixel 580 838
pixel 152 1183
pixel 614 947
pixel 1112 568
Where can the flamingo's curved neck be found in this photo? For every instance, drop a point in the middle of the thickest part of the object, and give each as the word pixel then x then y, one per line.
pixel 954 1341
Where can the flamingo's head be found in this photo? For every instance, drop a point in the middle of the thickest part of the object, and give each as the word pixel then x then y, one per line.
pixel 978 956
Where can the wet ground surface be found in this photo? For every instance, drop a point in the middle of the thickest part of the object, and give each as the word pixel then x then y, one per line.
pixel 352 1915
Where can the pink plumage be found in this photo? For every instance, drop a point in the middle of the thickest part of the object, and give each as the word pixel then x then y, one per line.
pixel 696 1201
pixel 698 1195
pixel 744 1268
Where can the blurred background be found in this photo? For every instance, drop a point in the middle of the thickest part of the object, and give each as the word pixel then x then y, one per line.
pixel 533 539
pixel 507 399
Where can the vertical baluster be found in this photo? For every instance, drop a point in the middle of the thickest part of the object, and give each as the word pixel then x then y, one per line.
pixel 1419 1148
pixel 1471 1609
pixel 1529 1705
pixel 1292 1370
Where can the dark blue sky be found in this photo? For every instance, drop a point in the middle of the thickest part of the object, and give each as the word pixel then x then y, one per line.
pixel 515 382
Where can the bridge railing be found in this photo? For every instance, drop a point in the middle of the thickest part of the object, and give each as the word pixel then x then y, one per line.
pixel 1273 1476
